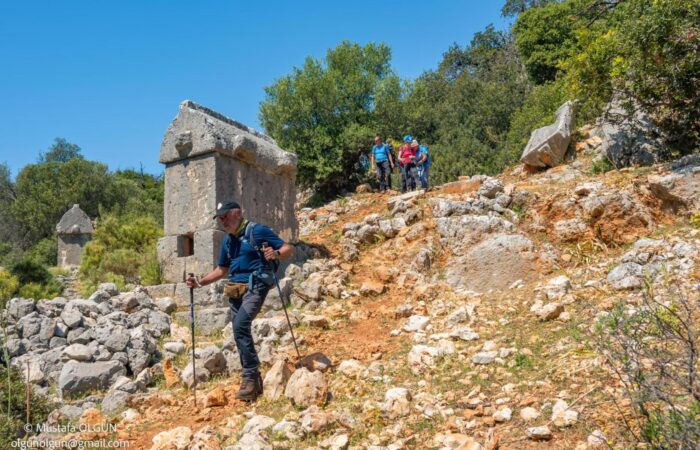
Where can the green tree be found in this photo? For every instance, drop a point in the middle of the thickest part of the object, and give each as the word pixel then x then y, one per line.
pixel 46 191
pixel 512 8
pixel 647 52
pixel 122 250
pixel 325 112
pixel 60 151
pixel 545 37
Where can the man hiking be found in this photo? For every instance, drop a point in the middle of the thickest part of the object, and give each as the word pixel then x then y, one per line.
pixel 381 155
pixel 246 258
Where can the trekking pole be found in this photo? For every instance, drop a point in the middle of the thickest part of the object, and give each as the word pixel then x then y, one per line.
pixel 194 373
pixel 284 307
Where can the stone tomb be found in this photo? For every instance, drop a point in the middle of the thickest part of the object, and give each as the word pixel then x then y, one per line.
pixel 209 159
pixel 74 230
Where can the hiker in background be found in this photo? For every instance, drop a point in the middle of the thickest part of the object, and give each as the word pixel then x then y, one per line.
pixel 392 153
pixel 423 165
pixel 408 166
pixel 247 264
pixel 382 157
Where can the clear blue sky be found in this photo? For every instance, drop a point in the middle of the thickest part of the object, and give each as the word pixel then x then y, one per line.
pixel 109 76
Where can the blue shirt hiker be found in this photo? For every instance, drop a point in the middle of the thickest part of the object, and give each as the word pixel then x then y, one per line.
pixel 380 152
pixel 239 255
pixel 424 150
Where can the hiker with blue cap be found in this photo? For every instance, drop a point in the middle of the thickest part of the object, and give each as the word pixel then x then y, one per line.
pixel 407 164
pixel 247 256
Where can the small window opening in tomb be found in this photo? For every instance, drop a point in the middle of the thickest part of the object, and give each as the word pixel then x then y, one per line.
pixel 185 245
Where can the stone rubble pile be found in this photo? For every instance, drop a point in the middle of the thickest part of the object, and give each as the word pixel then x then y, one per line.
pixel 85 345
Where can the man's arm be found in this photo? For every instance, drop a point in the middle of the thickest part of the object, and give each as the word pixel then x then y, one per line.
pixel 215 275
pixel 284 252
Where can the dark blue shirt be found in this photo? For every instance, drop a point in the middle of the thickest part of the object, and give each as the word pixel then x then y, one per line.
pixel 239 255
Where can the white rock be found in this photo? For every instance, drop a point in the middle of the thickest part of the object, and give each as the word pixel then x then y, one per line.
pixel 397 403
pixel 416 323
pixel 597 439
pixel 502 415
pixel 484 357
pixel 529 413
pixel 176 439
pixel 539 433
pixel 351 368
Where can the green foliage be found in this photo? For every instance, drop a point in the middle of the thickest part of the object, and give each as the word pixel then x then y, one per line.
pixel 28 270
pixel 13 406
pixel 537 111
pixel 649 52
pixel 325 111
pixel 46 191
pixel 514 7
pixel 695 220
pixel 545 36
pixel 601 165
pixel 8 286
pixel 463 110
pixel 61 151
pixel 45 251
pixel 652 350
pixel 38 291
pixel 122 250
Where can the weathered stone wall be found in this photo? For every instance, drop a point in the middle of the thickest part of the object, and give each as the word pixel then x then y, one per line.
pixel 208 159
pixel 70 248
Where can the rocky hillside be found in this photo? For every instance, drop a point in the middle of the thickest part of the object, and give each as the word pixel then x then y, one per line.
pixel 465 317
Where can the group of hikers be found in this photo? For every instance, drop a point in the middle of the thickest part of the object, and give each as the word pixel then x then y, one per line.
pixel 413 162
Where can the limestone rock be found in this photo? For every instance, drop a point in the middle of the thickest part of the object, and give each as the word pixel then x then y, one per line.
pixel 276 379
pixel 351 368
pixel 550 311
pixel 77 378
pixel 528 413
pixel 539 433
pixel 397 403
pixel 176 439
pixel 216 397
pixel 306 388
pixel 626 276
pixel 547 145
pixel 372 288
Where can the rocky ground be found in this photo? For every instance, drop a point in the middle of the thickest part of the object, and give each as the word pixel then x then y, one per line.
pixel 463 317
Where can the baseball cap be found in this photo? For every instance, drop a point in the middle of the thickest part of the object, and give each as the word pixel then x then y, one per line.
pixel 223 208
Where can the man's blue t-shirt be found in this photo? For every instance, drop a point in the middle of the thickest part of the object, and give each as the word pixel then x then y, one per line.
pixel 239 255
pixel 424 149
pixel 380 152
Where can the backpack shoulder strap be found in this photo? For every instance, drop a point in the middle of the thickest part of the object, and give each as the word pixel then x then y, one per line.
pixel 248 234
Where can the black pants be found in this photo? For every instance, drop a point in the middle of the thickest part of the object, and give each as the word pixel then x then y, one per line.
pixel 384 175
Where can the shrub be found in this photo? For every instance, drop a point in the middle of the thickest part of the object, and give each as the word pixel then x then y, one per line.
pixel 653 351
pixel 601 165
pixel 38 291
pixel 29 271
pixel 13 406
pixel 45 251
pixel 8 286
pixel 122 251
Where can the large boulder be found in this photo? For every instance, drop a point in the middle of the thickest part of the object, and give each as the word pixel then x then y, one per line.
pixel 78 378
pixel 548 145
pixel 630 139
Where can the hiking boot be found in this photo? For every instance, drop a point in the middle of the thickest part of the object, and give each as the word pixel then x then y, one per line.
pixel 249 390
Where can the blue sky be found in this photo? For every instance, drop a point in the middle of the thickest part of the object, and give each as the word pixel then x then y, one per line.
pixel 109 76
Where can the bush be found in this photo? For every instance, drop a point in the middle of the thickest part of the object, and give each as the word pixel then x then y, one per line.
pixel 122 251
pixel 8 287
pixel 27 270
pixel 38 291
pixel 45 251
pixel 652 350
pixel 13 406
